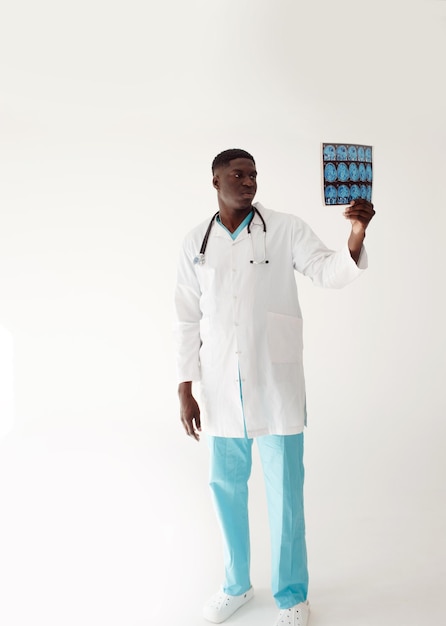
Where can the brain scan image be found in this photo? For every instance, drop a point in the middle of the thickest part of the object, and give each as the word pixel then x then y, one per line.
pixel 329 153
pixel 369 193
pixel 368 154
pixel 354 192
pixel 361 153
pixel 353 172
pixel 343 194
pixel 330 172
pixel 363 192
pixel 362 173
pixel 368 173
pixel 343 173
pixel 341 153
pixel 352 153
pixel 331 194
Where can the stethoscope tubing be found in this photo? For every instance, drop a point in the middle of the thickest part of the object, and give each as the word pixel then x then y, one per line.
pixel 199 259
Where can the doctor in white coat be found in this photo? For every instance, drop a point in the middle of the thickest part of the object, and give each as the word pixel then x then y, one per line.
pixel 239 334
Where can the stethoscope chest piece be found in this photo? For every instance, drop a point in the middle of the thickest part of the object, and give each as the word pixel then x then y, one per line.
pixel 199 259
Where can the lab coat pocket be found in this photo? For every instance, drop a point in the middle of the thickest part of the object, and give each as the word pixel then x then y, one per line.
pixel 284 333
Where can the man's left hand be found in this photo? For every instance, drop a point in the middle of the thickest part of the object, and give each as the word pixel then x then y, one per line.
pixel 359 213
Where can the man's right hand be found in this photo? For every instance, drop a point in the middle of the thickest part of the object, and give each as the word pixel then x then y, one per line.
pixel 189 411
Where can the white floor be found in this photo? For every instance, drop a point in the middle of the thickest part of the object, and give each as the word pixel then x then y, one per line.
pixel 111 529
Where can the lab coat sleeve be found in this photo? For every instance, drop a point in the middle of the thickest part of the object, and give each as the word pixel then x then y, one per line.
pixel 325 267
pixel 188 315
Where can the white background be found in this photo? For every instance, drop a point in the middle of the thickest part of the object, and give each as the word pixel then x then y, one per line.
pixel 111 114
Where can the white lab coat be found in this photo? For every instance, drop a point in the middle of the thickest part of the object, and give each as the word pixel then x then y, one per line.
pixel 240 324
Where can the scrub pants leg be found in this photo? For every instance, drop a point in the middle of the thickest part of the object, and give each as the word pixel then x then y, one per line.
pixel 230 468
pixel 283 469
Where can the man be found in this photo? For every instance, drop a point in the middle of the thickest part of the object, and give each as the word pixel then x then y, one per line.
pixel 239 333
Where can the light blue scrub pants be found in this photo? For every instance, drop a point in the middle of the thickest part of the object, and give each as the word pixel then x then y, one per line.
pixel 282 463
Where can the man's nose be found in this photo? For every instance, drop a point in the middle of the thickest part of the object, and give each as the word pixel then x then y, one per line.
pixel 248 181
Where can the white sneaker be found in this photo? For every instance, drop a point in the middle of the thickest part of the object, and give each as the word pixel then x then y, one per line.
pixel 297 615
pixel 221 606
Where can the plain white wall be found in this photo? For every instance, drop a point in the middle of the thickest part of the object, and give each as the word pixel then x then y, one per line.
pixel 111 114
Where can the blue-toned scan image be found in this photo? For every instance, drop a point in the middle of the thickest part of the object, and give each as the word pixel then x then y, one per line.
pixel 362 174
pixel 353 172
pixel 348 172
pixel 343 194
pixel 341 153
pixel 354 192
pixel 343 173
pixel 329 152
pixel 331 194
pixel 330 173
pixel 352 153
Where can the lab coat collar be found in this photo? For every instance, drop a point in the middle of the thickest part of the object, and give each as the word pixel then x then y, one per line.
pixel 217 231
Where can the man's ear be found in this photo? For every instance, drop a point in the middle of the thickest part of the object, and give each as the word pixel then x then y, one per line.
pixel 216 182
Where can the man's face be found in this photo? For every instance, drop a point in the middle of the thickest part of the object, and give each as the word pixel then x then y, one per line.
pixel 236 184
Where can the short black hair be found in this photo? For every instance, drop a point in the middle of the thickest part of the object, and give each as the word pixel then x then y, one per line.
pixel 228 155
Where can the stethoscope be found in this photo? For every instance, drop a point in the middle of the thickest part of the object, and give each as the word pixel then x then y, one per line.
pixel 200 258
